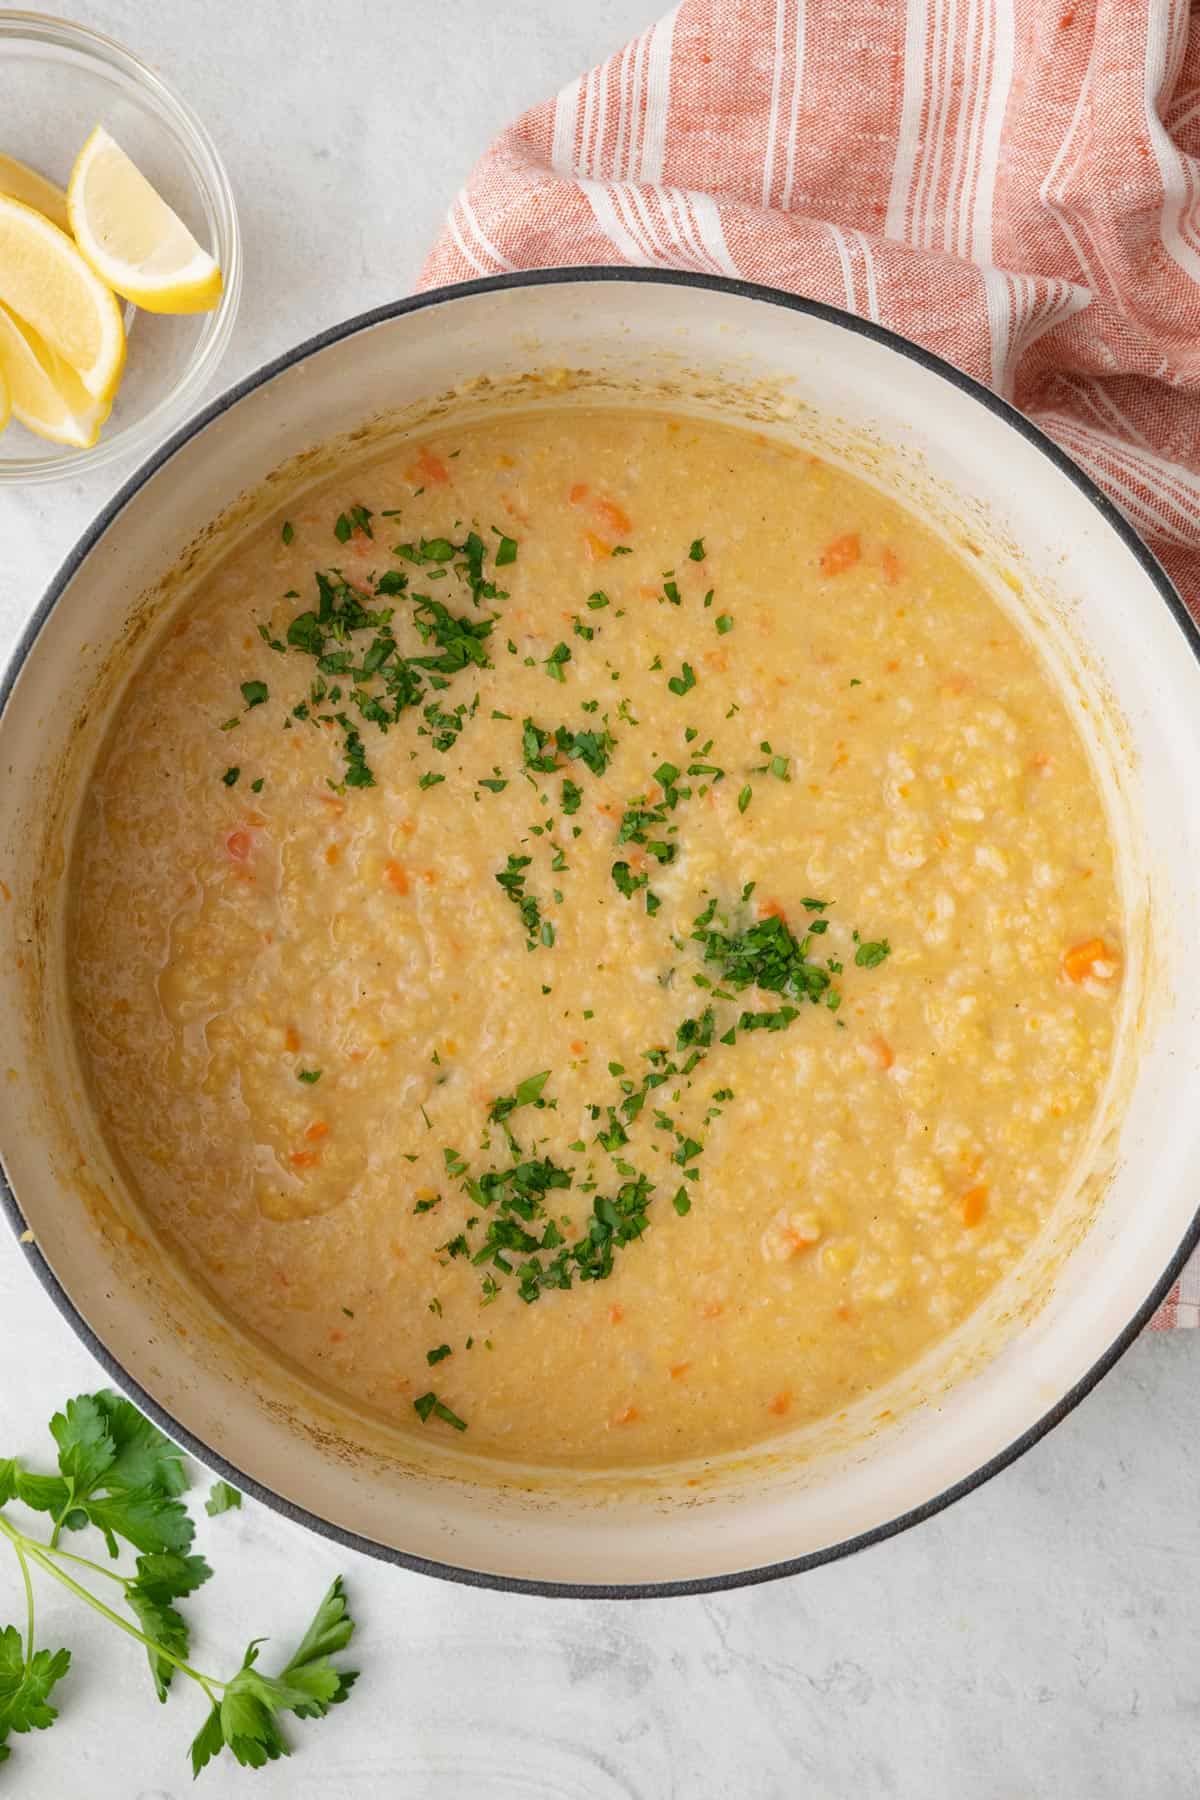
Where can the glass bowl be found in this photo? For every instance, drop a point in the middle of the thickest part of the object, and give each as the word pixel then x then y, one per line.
pixel 58 81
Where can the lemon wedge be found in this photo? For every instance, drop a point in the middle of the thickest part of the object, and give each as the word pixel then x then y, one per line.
pixel 131 237
pixel 45 392
pixel 46 282
pixel 22 183
pixel 5 402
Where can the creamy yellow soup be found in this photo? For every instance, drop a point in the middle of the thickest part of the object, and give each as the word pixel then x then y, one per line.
pixel 595 934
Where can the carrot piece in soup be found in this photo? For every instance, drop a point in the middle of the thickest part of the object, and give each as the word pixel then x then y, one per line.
pixel 429 468
pixel 841 554
pixel 597 548
pixel 891 565
pixel 1092 961
pixel 974 1205
pixel 238 845
pixel 578 492
pixel 396 877
pixel 615 517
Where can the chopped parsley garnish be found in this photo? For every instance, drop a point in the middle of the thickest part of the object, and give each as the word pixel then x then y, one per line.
pixel 288 532
pixel 311 1076
pixel 512 879
pixel 430 779
pixel 724 623
pixel 766 955
pixel 256 787
pixel 745 797
pixel 626 881
pixel 696 553
pixel 439 1355
pixel 254 693
pixel 527 1093
pixel 560 654
pixel 357 519
pixel 506 550
pixel 683 682
pixel 230 776
pixel 428 1406
pixel 544 750
pixel 572 797
pixel 869 956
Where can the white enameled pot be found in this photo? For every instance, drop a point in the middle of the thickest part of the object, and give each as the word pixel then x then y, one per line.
pixel 1057 556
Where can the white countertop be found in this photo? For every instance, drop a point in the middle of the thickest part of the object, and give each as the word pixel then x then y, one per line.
pixel 1042 1638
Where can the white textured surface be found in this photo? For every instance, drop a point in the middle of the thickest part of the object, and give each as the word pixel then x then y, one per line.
pixel 1040 1639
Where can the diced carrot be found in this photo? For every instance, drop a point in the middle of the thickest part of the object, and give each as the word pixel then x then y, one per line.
pixel 770 909
pixel 291 1038
pixel 336 1334
pixel 781 1404
pixel 1041 761
pixel 892 567
pixel 615 517
pixel 5 890
pixel 408 826
pixel 396 877
pixel 303 1159
pixel 892 664
pixel 597 548
pixel 1092 961
pixel 712 1309
pixel 332 854
pixel 648 593
pixel 841 554
pixel 845 1312
pixel 429 876
pixel 626 1416
pixel 884 1054
pixel 317 1130
pixel 428 468
pixel 974 1205
pixel 577 1046
pixel 717 660
pixel 506 461
pixel 677 1370
pixel 238 845
pixel 578 492
pixel 615 1314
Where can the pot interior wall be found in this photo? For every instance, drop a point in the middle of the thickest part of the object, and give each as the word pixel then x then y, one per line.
pixel 1054 559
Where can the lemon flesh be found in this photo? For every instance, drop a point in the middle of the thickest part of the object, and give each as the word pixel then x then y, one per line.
pixel 47 283
pixel 46 394
pixel 132 238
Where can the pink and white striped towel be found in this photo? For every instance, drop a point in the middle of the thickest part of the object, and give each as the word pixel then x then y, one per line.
pixel 1013 183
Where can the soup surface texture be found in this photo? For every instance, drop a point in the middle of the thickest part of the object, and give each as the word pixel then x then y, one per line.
pixel 595 932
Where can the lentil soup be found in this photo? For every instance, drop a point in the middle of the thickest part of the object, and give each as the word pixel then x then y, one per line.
pixel 595 933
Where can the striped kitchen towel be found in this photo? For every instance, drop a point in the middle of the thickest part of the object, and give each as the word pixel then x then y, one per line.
pixel 1013 183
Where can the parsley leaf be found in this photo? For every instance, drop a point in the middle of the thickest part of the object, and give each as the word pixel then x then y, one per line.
pixel 245 1720
pixel 222 1499
pixel 869 956
pixel 25 1686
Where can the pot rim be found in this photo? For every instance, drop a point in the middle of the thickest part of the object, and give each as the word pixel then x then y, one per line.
pixel 365 321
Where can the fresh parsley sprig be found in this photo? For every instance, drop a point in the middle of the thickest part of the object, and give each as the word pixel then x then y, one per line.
pixel 120 1475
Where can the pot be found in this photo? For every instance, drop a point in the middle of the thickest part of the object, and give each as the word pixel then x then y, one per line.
pixel 1056 554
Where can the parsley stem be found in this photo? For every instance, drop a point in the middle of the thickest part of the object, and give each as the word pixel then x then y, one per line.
pixel 86 1562
pixel 28 1602
pixel 40 1554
